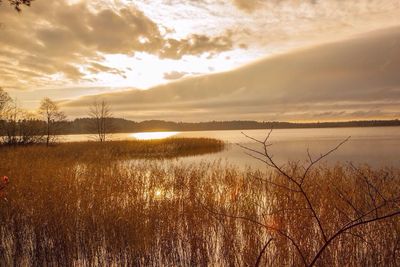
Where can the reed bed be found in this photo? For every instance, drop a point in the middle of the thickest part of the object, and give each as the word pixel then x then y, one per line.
pixel 118 150
pixel 86 205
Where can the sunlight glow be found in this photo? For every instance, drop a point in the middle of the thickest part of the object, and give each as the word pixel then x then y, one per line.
pixel 153 135
pixel 158 193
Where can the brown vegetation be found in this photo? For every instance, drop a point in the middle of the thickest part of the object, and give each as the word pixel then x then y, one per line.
pixel 77 204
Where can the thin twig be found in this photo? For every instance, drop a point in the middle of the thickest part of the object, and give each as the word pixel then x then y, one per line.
pixel 262 252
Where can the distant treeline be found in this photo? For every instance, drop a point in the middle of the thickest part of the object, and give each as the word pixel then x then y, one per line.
pixel 81 125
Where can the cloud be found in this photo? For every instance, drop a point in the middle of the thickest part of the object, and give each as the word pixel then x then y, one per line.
pixel 54 43
pixel 341 80
pixel 98 68
pixel 56 38
pixel 174 75
pixel 247 5
pixel 195 45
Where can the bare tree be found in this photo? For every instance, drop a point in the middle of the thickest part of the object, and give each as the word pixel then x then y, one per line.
pixel 293 180
pixel 100 113
pixel 18 127
pixel 10 114
pixel 5 100
pixel 51 114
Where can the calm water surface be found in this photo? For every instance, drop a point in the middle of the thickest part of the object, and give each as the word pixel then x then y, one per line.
pixel 375 146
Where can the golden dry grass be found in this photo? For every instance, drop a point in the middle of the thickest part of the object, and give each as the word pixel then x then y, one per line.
pixel 87 205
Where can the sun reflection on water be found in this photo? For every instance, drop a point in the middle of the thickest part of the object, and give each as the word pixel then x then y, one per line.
pixel 158 193
pixel 153 135
pixel 162 194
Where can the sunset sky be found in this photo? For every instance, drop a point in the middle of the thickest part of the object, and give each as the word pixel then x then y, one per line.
pixel 200 60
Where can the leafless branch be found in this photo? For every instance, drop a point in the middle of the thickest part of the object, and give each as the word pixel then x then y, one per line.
pixel 256 222
pixel 322 156
pixel 377 199
pixel 274 184
pixel 258 262
pixel 342 230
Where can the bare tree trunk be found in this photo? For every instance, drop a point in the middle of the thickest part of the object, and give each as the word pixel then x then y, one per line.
pixel 51 114
pixel 100 113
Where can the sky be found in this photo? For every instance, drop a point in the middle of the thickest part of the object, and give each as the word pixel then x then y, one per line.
pixel 198 60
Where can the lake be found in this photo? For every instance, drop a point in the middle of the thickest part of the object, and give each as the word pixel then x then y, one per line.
pixel 378 146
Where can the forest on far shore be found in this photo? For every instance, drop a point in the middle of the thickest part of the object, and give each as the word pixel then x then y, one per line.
pixel 80 125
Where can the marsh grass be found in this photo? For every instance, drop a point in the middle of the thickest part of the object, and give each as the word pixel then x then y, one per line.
pixel 118 150
pixel 86 205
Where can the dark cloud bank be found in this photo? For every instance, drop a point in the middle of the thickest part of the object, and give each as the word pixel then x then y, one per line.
pixel 354 79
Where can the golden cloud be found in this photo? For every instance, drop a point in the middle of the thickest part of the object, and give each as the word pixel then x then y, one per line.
pixel 54 37
pixel 247 5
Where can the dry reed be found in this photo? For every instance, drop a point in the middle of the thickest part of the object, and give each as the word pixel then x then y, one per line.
pixel 89 205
